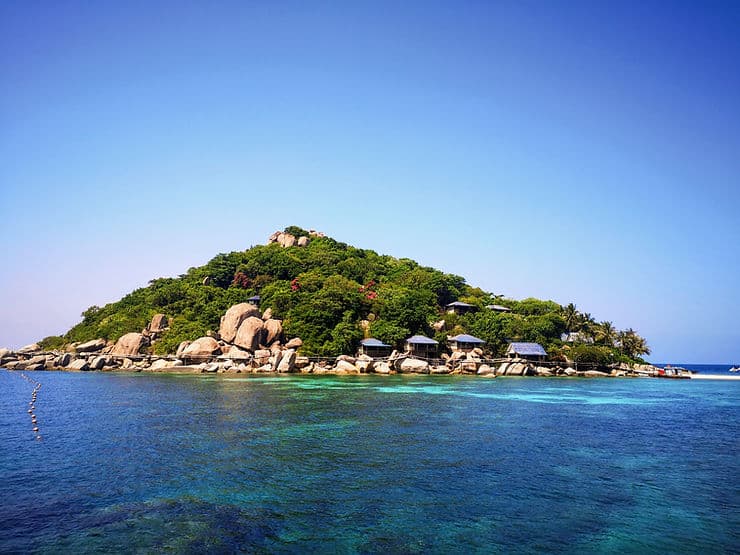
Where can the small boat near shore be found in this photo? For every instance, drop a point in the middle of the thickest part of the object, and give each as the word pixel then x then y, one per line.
pixel 674 372
pixel 735 368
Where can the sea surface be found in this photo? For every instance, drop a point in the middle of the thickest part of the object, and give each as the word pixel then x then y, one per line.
pixel 142 463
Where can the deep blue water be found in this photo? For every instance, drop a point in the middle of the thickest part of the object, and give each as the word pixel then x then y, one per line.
pixel 144 463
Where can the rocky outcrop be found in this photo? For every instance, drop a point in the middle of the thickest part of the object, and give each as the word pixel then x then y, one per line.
pixel 159 323
pixel 129 344
pixel 79 364
pixel 381 368
pixel 250 333
pixel 364 364
pixel 91 346
pixel 287 361
pixel 295 343
pixel 32 348
pixel 232 320
pixel 302 241
pixel 203 347
pixel 345 367
pixel 415 366
pixel 273 331
pixel 235 353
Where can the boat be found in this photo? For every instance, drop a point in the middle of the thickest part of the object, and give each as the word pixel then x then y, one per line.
pixel 735 368
pixel 674 372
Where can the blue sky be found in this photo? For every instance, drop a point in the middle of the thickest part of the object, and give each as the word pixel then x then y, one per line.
pixel 585 152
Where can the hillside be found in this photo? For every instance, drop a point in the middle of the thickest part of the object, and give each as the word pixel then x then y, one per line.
pixel 331 295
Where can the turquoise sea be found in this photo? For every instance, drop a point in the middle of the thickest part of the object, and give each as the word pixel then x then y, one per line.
pixel 141 463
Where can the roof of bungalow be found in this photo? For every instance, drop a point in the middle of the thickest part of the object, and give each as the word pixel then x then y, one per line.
pixel 372 342
pixel 255 298
pixel 421 340
pixel 527 349
pixel 498 308
pixel 459 304
pixel 465 338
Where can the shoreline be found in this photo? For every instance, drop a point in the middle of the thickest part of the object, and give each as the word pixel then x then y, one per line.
pixel 289 362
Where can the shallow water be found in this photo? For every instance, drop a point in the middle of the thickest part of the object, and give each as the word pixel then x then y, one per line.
pixel 191 463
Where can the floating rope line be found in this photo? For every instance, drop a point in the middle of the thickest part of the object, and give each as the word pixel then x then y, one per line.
pixel 32 405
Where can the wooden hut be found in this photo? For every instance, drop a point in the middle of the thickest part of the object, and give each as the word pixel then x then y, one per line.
pixel 421 345
pixel 459 307
pixel 530 351
pixel 254 300
pixel 464 342
pixel 498 308
pixel 374 348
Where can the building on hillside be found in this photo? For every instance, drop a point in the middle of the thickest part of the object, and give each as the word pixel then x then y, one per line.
pixel 374 348
pixel 530 351
pixel 254 300
pixel 576 337
pixel 459 307
pixel 498 308
pixel 422 345
pixel 464 342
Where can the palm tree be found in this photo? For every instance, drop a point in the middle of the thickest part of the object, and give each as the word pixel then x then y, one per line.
pixel 570 315
pixel 586 323
pixel 632 344
pixel 606 333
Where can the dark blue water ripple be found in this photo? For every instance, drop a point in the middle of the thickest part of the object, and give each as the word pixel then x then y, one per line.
pixel 192 464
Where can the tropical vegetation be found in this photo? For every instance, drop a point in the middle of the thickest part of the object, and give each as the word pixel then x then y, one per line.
pixel 331 295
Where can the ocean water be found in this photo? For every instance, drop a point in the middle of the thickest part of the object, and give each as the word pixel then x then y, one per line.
pixel 292 464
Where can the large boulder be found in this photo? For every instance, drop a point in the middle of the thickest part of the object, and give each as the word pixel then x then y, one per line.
pixel 381 368
pixel 63 360
pixel 159 323
pixel 273 330
pixel 91 346
pixel 364 364
pixel 34 347
pixel 79 364
pixel 98 363
pixel 484 370
pixel 201 348
pixel 516 369
pixel 267 314
pixel 5 352
pixel 416 366
pixel 302 241
pixel 232 320
pixel 287 362
pixel 262 356
pixel 250 333
pixel 595 374
pixel 128 345
pixel 286 239
pixel 181 347
pixel 345 367
pixel 235 353
pixel 295 343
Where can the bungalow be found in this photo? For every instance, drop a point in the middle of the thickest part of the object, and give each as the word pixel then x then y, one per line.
pixel 464 342
pixel 421 345
pixel 254 300
pixel 576 337
pixel 459 307
pixel 374 348
pixel 498 308
pixel 530 351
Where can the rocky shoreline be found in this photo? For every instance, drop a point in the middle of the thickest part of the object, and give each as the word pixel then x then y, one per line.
pixel 252 342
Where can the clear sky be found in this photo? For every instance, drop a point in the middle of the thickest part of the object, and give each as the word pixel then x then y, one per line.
pixel 584 152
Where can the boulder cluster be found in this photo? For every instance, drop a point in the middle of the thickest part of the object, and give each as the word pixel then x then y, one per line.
pixel 285 239
pixel 251 341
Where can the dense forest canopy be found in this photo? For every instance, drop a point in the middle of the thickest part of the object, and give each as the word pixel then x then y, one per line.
pixel 331 295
